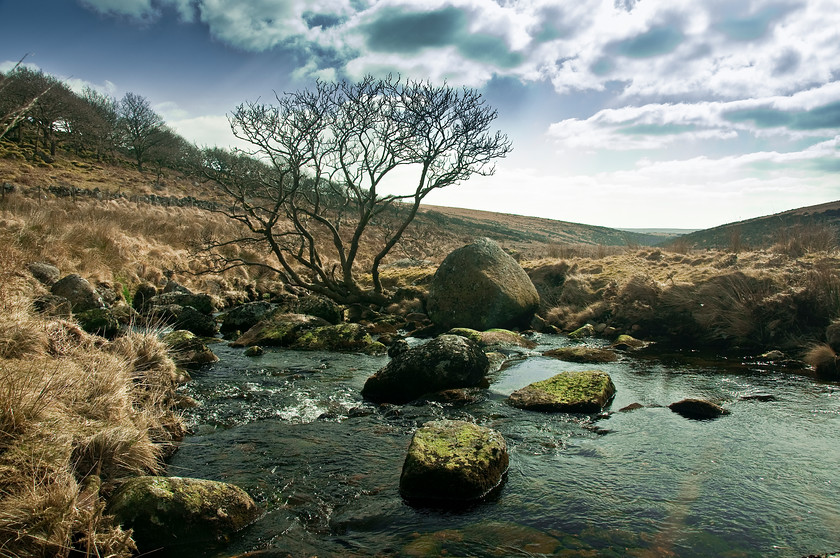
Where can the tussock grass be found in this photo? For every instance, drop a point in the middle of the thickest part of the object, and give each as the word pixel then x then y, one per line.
pixel 77 414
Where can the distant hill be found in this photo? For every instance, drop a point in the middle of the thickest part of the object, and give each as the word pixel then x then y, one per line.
pixel 524 231
pixel 763 232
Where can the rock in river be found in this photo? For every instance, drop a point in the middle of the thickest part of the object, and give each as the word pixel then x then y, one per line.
pixel 175 511
pixel 697 409
pixel 453 461
pixel 585 391
pixel 446 362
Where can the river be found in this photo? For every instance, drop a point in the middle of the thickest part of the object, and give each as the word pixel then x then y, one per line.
pixel 291 428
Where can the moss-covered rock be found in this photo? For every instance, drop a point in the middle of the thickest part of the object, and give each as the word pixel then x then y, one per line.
pixel 446 362
pixel 279 330
pixel 452 461
pixel 628 343
pixel 100 321
pixel 244 317
pixel 586 391
pixel 254 351
pixel 582 354
pixel 173 512
pixel 493 338
pixel 587 330
pixel 340 337
pixel 187 349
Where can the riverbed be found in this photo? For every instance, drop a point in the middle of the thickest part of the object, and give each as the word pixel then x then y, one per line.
pixel 291 428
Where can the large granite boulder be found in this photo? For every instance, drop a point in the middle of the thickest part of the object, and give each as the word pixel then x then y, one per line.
pixel 446 362
pixel 585 391
pixel 174 512
pixel 479 286
pixel 453 461
pixel 79 292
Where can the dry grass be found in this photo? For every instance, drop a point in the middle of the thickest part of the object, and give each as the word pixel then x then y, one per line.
pixel 77 414
pixel 750 300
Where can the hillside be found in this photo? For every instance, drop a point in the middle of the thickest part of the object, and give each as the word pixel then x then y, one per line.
pixel 452 225
pixel 522 231
pixel 817 223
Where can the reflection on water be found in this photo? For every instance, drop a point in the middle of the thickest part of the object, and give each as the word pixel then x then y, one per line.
pixel 291 428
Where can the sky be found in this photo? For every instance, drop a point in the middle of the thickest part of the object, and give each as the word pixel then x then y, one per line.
pixel 623 113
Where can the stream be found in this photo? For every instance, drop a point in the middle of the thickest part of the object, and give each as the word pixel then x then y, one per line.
pixel 291 428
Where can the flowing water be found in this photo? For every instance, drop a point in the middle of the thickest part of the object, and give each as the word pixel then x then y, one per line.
pixel 291 428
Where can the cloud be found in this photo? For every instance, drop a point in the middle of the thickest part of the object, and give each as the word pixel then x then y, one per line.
pixel 142 9
pixel 653 42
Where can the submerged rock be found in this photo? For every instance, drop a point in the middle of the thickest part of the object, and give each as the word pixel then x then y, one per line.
pixel 697 409
pixel 582 354
pixel 446 362
pixel 628 343
pixel 587 330
pixel 453 461
pixel 586 391
pixel 173 511
pixel 480 286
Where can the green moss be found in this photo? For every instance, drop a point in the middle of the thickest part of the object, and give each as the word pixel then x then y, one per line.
pixel 582 354
pixel 586 391
pixel 340 337
pixel 471 334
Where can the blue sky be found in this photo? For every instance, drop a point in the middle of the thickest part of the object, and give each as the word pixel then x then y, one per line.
pixel 623 113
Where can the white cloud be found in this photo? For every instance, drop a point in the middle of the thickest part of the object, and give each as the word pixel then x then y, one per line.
pixel 141 9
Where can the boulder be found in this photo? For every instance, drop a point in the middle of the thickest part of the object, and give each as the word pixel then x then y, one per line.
pixel 79 292
pixel 582 354
pixel 46 273
pixel 628 343
pixel 254 351
pixel 243 318
pixel 174 512
pixel 52 305
pixel 698 409
pixel 586 391
pixel 201 302
pixel 322 307
pixel 341 337
pixel 100 321
pixel 279 329
pixel 197 322
pixel 453 461
pixel 187 349
pixel 479 286
pixel 493 338
pixel 587 330
pixel 446 362
pixel 142 295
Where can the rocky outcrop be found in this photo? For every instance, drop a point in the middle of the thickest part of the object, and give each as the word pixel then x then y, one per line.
pixel 174 512
pixel 586 391
pixel 453 461
pixel 698 409
pixel 446 362
pixel 79 292
pixel 479 286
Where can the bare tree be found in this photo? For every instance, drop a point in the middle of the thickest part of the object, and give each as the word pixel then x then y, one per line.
pixel 140 125
pixel 20 91
pixel 322 170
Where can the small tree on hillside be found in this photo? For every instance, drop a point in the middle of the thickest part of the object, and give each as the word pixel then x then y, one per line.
pixel 317 176
pixel 140 125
